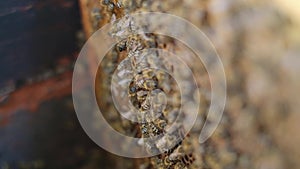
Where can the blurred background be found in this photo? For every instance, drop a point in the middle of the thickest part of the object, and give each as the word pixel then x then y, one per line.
pixel 258 42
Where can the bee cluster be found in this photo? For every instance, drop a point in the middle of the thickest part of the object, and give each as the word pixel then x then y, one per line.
pixel 226 148
pixel 154 94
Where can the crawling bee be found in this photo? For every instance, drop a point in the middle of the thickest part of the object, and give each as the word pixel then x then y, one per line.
pixel 169 151
pixel 168 163
pixel 185 160
pixel 135 43
pixel 178 160
pixel 96 17
pixel 158 162
pixel 140 82
pixel 151 84
pixel 141 96
pixel 145 130
pixel 161 123
pixel 113 7
pixel 105 2
pixel 119 4
pixel 150 81
pixel 155 130
pixel 95 13
pixel 109 4
pixel 146 105
pixel 121 46
pixel 132 89
pixel 140 88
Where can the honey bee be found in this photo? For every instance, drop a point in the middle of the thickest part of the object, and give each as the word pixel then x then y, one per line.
pixel 119 4
pixel 135 43
pixel 95 13
pixel 161 123
pixel 141 95
pixel 187 159
pixel 140 83
pixel 105 2
pixel 181 160
pixel 168 163
pixel 149 73
pixel 157 162
pixel 169 151
pixel 144 130
pixel 109 4
pixel 155 130
pixel 132 90
pixel 121 46
pixel 140 88
pixel 148 80
pixel 96 17
pixel 113 7
pixel 145 105
pixel 151 84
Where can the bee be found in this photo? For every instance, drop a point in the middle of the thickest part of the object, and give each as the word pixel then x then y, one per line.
pixel 150 84
pixel 161 123
pixel 105 2
pixel 187 159
pixel 132 90
pixel 139 91
pixel 148 73
pixel 182 160
pixel 95 13
pixel 145 82
pixel 155 130
pixel 168 163
pixel 140 83
pixel 144 129
pixel 145 105
pixel 111 6
pixel 140 66
pixel 121 46
pixel 96 17
pixel 141 95
pixel 125 3
pixel 157 161
pixel 171 150
pixel 135 43
pixel 119 4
